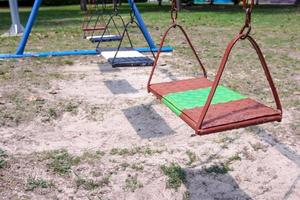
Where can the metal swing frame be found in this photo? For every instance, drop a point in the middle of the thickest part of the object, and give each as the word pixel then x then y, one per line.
pixel 115 14
pixel 125 32
pixel 90 14
pixel 20 51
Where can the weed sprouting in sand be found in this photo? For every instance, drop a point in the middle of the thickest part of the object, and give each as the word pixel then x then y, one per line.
pixel 90 184
pixel 223 168
pixel 192 157
pixel 3 155
pixel 132 183
pixel 61 161
pixel 175 174
pixel 33 183
pixel 147 151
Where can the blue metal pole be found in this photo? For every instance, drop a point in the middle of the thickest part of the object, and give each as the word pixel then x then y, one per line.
pixel 30 22
pixel 142 24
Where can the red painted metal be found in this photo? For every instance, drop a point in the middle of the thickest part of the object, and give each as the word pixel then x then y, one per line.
pixel 162 89
pixel 173 26
pixel 98 28
pixel 232 112
pixel 252 112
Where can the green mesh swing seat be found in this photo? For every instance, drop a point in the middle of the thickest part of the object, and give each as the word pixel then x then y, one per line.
pixel 206 106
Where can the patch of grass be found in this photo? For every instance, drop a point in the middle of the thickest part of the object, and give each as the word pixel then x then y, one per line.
pixel 186 196
pixel 72 107
pixel 2 160
pixel 233 158
pixel 132 183
pixel 175 174
pixel 69 62
pixel 56 75
pixel 62 161
pixel 137 167
pixel 218 169
pixel 124 165
pixel 89 184
pixel 258 146
pixel 147 151
pixel 192 157
pixel 52 114
pixel 100 153
pixel 120 152
pixel 90 156
pixel 33 183
pixel 223 168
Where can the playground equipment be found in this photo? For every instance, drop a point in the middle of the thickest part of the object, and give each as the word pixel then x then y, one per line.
pixel 204 105
pixel 108 35
pixel 128 56
pixel 32 17
pixel 93 18
pixel 222 2
pixel 16 26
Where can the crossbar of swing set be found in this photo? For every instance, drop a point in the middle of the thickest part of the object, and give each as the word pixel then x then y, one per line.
pixel 32 17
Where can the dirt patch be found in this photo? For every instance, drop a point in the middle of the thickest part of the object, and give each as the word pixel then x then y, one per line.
pixel 110 139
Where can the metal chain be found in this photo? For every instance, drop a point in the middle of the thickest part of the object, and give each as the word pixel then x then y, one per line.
pixel 246 29
pixel 115 6
pixel 174 12
pixel 132 14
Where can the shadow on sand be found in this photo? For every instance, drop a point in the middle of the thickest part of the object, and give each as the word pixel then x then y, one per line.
pixel 202 185
pixel 120 86
pixel 147 122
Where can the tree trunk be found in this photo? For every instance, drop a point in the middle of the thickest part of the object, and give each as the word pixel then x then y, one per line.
pixel 83 5
pixel 159 2
pixel 297 3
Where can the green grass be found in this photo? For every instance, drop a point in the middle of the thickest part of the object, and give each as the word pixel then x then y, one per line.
pixel 132 183
pixel 218 168
pixel 175 174
pixel 89 184
pixel 147 151
pixel 61 161
pixel 223 168
pixel 192 157
pixel 3 155
pixel 33 183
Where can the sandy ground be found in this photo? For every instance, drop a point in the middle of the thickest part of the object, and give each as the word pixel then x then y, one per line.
pixel 126 116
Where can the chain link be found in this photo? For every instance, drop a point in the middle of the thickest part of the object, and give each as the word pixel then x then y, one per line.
pixel 246 29
pixel 174 12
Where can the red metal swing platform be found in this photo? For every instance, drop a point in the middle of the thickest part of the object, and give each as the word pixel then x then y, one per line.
pixel 208 107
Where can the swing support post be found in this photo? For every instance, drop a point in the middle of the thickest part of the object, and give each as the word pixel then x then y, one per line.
pixel 32 17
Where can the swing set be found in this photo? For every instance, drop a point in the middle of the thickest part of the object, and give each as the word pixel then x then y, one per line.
pixel 104 34
pixel 206 106
pixel 125 56
pixel 93 18
pixel 88 28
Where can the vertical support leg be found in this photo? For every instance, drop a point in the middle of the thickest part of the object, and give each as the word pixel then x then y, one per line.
pixel 16 27
pixel 30 22
pixel 142 25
